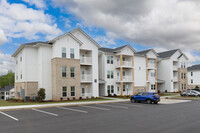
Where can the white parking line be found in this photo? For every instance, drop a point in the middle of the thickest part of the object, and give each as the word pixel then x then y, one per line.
pixel 9 116
pixel 128 104
pixel 73 109
pixel 114 106
pixel 45 112
pixel 95 107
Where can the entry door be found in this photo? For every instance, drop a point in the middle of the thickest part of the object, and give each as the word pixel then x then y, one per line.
pixel 124 75
pixel 83 74
pixel 83 91
pixel 83 59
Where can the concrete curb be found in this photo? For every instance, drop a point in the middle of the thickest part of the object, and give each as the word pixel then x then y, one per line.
pixel 22 107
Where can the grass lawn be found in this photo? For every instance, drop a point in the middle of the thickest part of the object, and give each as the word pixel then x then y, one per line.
pixel 184 97
pixel 11 103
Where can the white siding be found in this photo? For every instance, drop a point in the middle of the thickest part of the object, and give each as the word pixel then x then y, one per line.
pixel 140 71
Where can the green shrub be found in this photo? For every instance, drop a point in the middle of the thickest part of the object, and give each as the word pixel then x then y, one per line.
pixel 41 94
pixel 109 95
pixel 92 97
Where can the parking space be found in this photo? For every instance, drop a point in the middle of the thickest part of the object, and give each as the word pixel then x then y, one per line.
pixel 101 117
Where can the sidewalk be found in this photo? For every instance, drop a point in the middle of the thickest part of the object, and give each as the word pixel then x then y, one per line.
pixel 19 107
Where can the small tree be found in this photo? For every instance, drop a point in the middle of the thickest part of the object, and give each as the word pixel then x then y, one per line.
pixel 41 94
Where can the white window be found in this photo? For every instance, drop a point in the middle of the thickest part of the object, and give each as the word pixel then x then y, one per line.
pixel 64 52
pixel 72 53
pixel 191 81
pixel 108 59
pixel 72 73
pixel 64 71
pixel 152 86
pixel 112 88
pixel 111 59
pixel 72 90
pixel 64 91
pixel 191 73
pixel 108 89
pixel 110 74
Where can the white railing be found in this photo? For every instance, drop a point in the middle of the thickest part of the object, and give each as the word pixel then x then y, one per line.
pixel 175 67
pixel 175 79
pixel 86 95
pixel 125 63
pixel 151 66
pixel 125 78
pixel 86 77
pixel 86 60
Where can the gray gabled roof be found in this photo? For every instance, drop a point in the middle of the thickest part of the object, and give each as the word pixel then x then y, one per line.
pixel 143 52
pixel 110 50
pixel 194 67
pixel 6 88
pixel 167 54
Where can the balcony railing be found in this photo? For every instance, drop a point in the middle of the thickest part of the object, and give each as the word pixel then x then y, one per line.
pixel 175 68
pixel 125 63
pixel 175 79
pixel 86 77
pixel 86 95
pixel 86 60
pixel 125 78
pixel 151 66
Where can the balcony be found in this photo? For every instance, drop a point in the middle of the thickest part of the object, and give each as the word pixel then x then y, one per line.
pixel 127 64
pixel 175 68
pixel 86 60
pixel 86 78
pixel 175 79
pixel 151 66
pixel 84 95
pixel 125 79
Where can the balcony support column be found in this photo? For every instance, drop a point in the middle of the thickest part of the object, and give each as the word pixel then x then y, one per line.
pixel 147 70
pixel 156 84
pixel 121 74
pixel 133 75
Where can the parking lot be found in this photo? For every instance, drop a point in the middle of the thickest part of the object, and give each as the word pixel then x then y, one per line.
pixel 107 118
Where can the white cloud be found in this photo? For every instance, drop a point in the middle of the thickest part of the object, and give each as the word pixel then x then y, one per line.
pixel 37 3
pixel 18 21
pixel 6 63
pixel 169 24
pixel 105 41
pixel 3 38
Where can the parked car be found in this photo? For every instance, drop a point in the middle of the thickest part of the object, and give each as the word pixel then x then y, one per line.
pixel 196 89
pixel 148 97
pixel 190 93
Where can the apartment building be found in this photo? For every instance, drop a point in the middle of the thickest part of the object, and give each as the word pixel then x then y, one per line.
pixel 193 76
pixel 127 72
pixel 146 67
pixel 66 67
pixel 116 68
pixel 172 71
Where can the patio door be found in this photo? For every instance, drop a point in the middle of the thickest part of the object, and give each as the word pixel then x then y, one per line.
pixel 83 91
pixel 83 74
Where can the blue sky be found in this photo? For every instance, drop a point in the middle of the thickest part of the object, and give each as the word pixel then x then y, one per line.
pixel 59 18
pixel 162 25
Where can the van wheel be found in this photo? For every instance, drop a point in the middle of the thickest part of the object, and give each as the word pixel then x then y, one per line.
pixel 148 101
pixel 133 100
